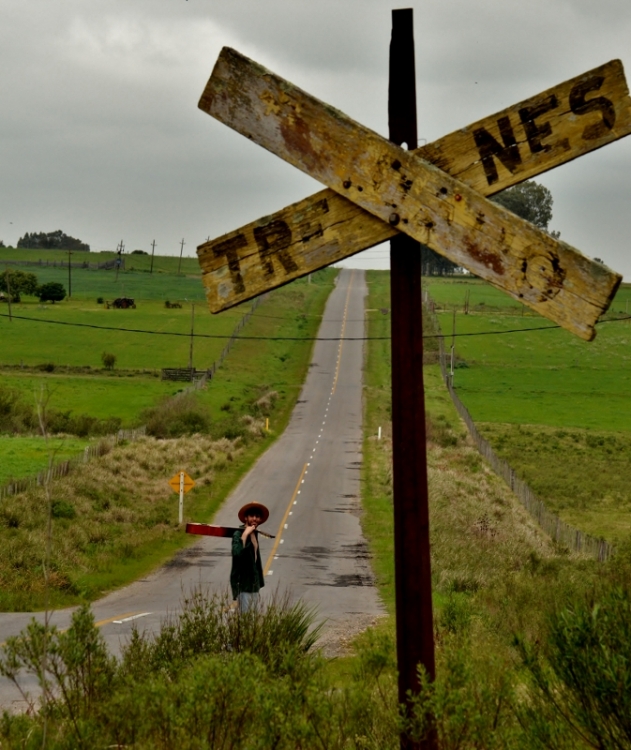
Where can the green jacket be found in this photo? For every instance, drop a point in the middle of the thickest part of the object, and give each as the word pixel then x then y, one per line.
pixel 247 573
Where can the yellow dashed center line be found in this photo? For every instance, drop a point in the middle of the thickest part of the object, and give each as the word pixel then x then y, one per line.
pixel 283 522
pixel 339 354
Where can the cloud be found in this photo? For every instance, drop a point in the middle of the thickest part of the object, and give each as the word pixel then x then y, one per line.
pixel 101 134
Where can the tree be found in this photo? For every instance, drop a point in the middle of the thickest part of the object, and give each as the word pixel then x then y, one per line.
pixel 433 264
pixel 53 291
pixel 20 282
pixel 529 200
pixel 109 360
pixel 56 240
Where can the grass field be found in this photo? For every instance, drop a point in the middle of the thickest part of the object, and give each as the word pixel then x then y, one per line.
pixel 168 264
pixel 99 395
pixel 26 456
pixel 496 578
pixel 128 520
pixel 49 339
pixel 124 392
pixel 542 377
pixel 556 407
pixel 495 575
pixel 452 292
pixel 480 535
pixel 88 285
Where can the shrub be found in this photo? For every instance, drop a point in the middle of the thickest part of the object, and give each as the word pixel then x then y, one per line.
pixel 208 680
pixel 265 404
pixel 63 509
pixel 581 675
pixel 16 416
pixel 109 360
pixel 179 415
pixel 82 425
pixel 52 291
pixel 216 678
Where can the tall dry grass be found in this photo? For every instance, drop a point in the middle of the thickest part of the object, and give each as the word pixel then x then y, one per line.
pixel 107 511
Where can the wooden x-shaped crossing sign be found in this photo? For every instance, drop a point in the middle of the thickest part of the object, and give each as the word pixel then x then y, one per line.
pixel 436 194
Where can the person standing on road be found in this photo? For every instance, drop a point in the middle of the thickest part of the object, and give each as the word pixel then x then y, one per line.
pixel 246 576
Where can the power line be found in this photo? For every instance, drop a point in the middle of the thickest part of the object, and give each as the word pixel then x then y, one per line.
pixel 289 338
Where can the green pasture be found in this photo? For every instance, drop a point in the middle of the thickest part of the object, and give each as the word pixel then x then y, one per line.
pixel 555 407
pixel 583 475
pixel 547 377
pixel 259 379
pixel 97 395
pixel 26 456
pixel 452 293
pixel 89 285
pixel 165 283
pixel 259 365
pixel 253 368
pixel 161 263
pixel 62 334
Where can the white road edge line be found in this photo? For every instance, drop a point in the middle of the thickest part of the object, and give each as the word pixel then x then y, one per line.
pixel 129 619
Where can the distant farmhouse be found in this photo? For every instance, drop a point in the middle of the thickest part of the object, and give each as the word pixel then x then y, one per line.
pixel 52 241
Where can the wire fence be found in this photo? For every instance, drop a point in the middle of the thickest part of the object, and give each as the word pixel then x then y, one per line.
pixel 201 380
pixel 561 532
pixel 107 264
pixel 61 469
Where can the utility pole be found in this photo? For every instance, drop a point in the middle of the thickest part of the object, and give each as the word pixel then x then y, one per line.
pixel 190 355
pixel 153 249
pixel 413 583
pixel 9 292
pixel 181 250
pixel 119 249
pixel 453 347
pixel 69 275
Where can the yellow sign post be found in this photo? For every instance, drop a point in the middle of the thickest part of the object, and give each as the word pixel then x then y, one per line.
pixel 181 482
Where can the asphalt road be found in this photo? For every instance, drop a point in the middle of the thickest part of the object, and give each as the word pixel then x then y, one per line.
pixel 310 481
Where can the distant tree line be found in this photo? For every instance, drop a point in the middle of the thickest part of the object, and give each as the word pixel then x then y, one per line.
pixel 56 240
pixel 529 200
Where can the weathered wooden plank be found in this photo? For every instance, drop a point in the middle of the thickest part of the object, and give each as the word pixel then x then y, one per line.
pixel 551 128
pixel 326 227
pixel 407 192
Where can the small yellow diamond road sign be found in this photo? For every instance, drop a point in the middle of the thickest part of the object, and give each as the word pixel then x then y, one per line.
pixel 181 477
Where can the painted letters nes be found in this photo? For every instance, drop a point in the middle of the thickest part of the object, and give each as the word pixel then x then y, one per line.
pixel 538 135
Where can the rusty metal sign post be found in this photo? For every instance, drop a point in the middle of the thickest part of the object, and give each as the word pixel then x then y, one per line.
pixel 413 582
pixel 437 195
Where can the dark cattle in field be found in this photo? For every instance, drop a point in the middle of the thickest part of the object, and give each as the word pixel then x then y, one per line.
pixel 122 303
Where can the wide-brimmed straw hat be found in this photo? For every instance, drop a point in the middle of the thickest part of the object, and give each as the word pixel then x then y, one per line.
pixel 247 509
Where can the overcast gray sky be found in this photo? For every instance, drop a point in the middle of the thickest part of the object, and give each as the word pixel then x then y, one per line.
pixel 101 135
